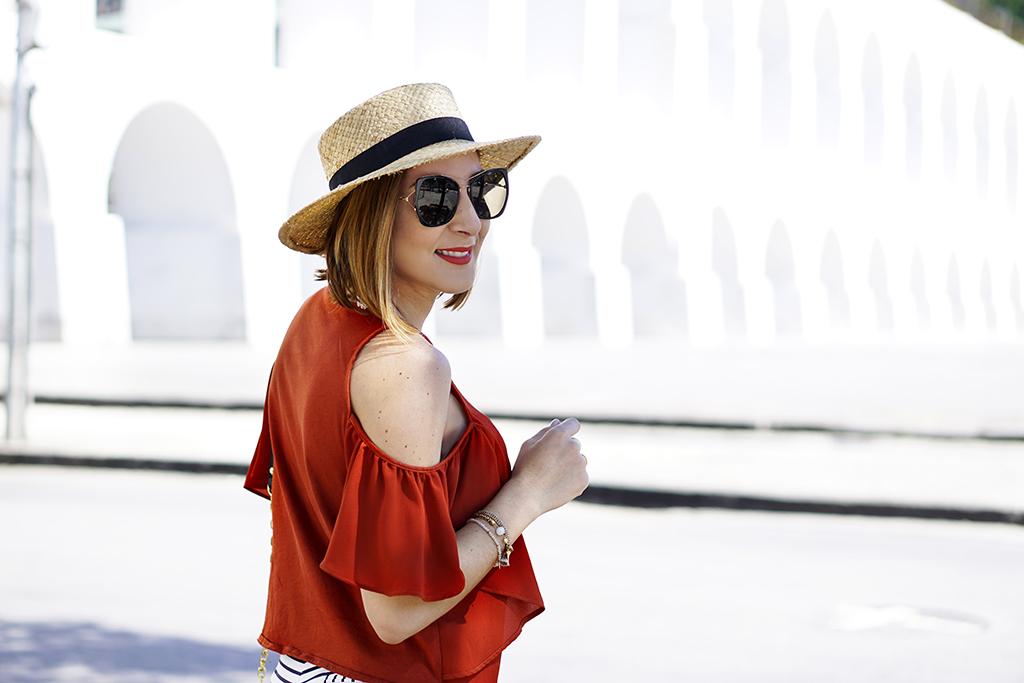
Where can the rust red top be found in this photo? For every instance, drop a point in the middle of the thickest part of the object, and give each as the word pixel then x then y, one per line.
pixel 347 516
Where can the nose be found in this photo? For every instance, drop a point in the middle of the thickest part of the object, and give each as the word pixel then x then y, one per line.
pixel 465 219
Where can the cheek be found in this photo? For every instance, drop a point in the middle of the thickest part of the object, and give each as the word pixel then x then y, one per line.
pixel 485 228
pixel 409 245
pixel 401 255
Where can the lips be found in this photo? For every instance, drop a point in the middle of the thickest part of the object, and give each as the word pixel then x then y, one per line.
pixel 458 256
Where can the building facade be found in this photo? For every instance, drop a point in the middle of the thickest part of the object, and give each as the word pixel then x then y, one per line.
pixel 740 172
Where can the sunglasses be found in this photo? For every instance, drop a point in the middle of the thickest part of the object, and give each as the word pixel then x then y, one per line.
pixel 436 197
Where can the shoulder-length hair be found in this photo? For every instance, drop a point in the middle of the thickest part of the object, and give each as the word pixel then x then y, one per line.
pixel 360 269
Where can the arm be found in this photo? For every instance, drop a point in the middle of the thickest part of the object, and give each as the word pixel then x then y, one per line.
pixel 401 397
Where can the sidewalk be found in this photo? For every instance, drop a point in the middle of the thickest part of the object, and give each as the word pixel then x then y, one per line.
pixel 868 395
pixel 139 577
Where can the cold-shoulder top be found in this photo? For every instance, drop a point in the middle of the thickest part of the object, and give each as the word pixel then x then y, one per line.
pixel 346 516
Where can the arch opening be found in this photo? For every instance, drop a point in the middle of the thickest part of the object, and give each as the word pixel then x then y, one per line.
pixel 170 185
pixel 308 184
pixel 832 278
pixel 826 67
pixel 878 280
pixel 725 264
pixel 658 293
pixel 567 283
pixel 981 138
pixel 776 78
pixel 950 140
pixel 954 292
pixel 1012 157
pixel 913 110
pixel 874 102
pixel 781 271
pixel 718 20
pixel 919 291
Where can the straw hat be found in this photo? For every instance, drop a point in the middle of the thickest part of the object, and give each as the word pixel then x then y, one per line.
pixel 389 133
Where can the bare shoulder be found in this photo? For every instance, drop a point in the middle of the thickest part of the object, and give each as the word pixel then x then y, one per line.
pixel 400 395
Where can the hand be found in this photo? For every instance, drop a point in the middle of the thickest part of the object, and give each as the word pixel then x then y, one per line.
pixel 550 469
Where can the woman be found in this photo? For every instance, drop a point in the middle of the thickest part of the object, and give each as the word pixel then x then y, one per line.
pixel 395 510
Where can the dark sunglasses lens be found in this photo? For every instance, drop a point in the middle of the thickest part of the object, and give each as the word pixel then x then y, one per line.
pixel 436 199
pixel 489 192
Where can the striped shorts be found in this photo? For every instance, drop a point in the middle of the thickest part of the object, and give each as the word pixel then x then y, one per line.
pixel 292 670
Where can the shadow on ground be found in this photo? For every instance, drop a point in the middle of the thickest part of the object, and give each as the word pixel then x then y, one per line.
pixel 87 653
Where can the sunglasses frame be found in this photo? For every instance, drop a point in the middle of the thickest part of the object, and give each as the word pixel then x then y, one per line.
pixel 416 190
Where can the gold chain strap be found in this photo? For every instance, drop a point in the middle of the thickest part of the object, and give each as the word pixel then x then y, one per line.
pixel 262 671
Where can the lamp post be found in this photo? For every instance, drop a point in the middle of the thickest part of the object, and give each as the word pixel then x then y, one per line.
pixel 20 231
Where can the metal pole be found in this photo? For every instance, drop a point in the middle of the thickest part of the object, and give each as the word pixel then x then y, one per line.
pixel 20 232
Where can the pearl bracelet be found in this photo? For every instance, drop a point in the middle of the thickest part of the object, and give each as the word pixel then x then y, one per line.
pixel 496 529
pixel 497 541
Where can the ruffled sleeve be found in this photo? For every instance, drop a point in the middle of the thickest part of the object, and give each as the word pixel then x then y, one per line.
pixel 394 533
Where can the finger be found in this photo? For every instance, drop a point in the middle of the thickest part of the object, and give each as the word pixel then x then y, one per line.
pixel 542 431
pixel 569 426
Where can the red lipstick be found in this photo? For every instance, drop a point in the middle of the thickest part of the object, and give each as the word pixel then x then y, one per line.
pixel 458 256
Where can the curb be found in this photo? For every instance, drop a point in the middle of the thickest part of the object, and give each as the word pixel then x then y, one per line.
pixel 640 498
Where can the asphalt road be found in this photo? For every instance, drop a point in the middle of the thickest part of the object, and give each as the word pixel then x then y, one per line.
pixel 124 577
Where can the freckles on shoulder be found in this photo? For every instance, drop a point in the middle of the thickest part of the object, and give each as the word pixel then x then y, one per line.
pixel 400 396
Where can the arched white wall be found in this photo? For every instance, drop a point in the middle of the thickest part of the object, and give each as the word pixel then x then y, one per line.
pixel 849 132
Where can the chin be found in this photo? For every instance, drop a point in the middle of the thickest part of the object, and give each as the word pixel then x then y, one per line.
pixel 458 287
pixel 453 291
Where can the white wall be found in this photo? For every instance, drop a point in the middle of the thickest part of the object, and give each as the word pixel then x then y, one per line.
pixel 817 171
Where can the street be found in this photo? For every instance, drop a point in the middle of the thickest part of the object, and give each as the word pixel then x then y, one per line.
pixel 121 577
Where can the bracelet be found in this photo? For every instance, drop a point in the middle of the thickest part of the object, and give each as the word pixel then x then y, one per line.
pixel 497 541
pixel 500 531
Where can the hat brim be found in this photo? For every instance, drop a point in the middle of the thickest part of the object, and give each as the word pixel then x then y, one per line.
pixel 306 229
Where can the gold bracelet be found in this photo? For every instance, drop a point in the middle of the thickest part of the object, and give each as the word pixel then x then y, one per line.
pixel 497 541
pixel 500 530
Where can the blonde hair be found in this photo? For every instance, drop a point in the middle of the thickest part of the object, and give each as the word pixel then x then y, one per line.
pixel 360 269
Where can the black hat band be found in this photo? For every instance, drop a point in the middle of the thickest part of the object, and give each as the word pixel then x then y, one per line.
pixel 394 147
